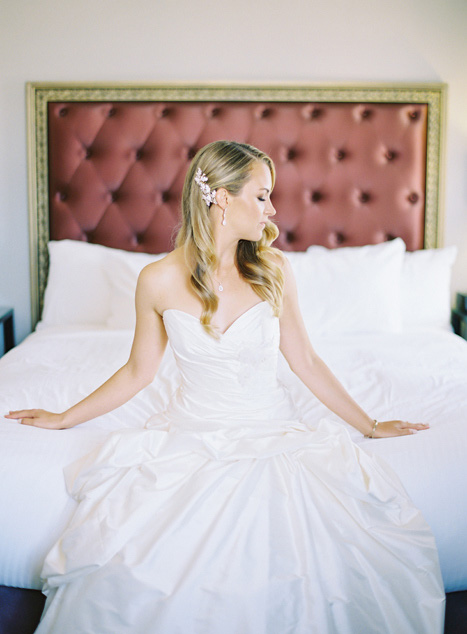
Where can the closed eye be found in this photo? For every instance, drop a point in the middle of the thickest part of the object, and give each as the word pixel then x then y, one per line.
pixel 261 199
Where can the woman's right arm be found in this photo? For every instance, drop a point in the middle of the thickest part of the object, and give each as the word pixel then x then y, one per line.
pixel 148 347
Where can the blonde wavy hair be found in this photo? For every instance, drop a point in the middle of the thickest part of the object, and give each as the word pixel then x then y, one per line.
pixel 227 164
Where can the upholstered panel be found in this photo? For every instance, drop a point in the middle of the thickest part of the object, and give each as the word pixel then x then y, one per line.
pixel 347 173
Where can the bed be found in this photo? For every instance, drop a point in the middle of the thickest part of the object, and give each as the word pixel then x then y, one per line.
pixel 359 206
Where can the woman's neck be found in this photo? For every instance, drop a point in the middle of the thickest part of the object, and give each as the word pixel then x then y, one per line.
pixel 226 252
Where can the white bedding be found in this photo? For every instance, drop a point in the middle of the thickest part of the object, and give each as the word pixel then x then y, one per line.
pixel 417 376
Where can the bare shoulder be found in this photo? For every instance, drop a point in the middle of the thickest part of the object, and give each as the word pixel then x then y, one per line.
pixel 159 279
pixel 281 260
pixel 277 257
pixel 169 265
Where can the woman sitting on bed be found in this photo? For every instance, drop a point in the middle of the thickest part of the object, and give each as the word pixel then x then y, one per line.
pixel 230 513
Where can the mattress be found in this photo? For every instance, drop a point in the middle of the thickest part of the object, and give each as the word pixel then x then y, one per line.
pixel 418 376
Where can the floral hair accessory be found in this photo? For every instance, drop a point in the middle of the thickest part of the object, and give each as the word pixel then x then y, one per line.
pixel 202 180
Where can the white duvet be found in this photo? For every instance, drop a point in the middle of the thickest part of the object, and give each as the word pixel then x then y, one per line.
pixel 420 377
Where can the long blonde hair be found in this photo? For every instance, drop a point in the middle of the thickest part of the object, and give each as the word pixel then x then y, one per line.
pixel 227 164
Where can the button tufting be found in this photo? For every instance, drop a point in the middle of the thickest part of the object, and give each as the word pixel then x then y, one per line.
pixel 264 113
pixel 362 112
pixel 311 112
pixel 112 112
pixel 390 155
pixel 313 194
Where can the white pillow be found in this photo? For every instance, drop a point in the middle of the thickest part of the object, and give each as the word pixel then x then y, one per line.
pixel 426 288
pixel 122 270
pixel 77 291
pixel 350 289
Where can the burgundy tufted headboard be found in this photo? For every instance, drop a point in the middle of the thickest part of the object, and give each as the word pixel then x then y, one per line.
pixel 354 166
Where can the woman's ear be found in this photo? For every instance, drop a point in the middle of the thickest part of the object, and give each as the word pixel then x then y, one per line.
pixel 222 197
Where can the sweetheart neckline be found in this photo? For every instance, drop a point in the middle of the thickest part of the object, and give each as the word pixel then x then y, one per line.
pixel 246 312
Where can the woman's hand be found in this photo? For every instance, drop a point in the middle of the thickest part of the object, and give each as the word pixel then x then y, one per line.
pixel 390 428
pixel 38 418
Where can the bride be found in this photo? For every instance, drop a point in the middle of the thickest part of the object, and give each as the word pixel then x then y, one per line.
pixel 230 513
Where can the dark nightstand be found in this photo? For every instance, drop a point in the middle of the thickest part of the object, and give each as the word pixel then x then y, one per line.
pixel 6 320
pixel 459 315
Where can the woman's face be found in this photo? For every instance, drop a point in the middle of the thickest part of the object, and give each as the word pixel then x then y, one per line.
pixel 248 212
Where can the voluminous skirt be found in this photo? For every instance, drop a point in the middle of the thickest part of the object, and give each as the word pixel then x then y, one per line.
pixel 241 531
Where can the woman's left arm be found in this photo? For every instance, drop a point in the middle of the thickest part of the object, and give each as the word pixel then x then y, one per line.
pixel 311 369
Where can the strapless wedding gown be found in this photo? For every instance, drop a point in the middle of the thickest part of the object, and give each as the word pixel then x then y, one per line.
pixel 229 514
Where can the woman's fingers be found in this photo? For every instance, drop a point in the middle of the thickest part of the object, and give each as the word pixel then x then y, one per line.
pixel 24 415
pixel 36 418
pixel 21 413
pixel 390 428
pixel 417 426
pixel 27 421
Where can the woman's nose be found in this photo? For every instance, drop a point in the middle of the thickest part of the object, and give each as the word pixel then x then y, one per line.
pixel 270 210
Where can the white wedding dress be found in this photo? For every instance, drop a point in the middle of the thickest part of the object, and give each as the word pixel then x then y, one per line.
pixel 229 514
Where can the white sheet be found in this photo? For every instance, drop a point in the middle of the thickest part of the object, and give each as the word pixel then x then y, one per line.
pixel 418 377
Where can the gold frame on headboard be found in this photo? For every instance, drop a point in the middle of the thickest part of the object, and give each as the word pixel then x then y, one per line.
pixel 40 94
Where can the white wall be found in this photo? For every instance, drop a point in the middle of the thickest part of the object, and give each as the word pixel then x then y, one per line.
pixel 154 40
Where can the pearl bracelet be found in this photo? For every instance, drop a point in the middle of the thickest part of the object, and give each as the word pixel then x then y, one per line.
pixel 372 432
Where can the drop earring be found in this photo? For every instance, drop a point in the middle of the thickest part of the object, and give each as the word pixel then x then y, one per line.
pixel 224 222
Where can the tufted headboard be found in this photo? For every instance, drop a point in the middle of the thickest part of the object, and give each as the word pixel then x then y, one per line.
pixel 355 164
